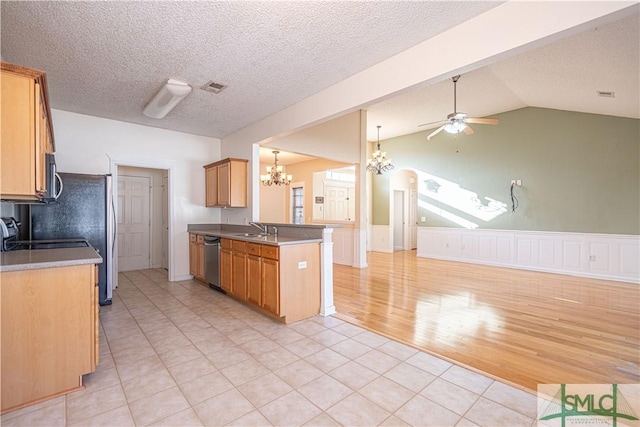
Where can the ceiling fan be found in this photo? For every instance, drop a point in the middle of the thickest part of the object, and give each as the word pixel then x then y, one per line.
pixel 457 122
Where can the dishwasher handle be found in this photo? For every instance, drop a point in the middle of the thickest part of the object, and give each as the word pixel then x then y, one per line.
pixel 211 241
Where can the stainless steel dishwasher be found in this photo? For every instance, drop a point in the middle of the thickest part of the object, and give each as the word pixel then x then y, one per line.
pixel 212 262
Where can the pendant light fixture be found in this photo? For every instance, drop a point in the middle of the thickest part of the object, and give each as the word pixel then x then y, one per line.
pixel 274 174
pixel 378 162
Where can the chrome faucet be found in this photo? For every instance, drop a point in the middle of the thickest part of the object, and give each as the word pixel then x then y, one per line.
pixel 263 228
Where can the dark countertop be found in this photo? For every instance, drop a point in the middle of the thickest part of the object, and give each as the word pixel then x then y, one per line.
pixel 47 258
pixel 265 240
pixel 288 234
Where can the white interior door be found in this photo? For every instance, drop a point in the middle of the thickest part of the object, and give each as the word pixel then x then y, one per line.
pixel 336 202
pixel 134 223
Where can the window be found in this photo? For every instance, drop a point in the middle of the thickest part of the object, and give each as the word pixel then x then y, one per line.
pixel 297 205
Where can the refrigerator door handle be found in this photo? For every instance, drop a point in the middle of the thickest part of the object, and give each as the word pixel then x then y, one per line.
pixel 111 233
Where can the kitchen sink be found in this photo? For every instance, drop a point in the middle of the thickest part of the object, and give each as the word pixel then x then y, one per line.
pixel 250 235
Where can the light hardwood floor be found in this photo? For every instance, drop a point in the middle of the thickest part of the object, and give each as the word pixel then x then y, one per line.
pixel 519 326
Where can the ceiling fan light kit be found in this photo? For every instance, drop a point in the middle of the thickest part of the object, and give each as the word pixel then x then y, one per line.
pixel 166 99
pixel 458 122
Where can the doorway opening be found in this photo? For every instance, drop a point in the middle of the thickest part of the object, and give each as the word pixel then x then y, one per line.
pixel 403 207
pixel 142 207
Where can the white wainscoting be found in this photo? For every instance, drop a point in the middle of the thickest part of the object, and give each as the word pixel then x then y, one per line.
pixel 602 256
pixel 381 238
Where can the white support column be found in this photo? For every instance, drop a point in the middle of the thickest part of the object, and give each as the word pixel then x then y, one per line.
pixel 326 274
pixel 359 248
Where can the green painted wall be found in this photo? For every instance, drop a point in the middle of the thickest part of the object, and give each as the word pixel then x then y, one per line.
pixel 580 172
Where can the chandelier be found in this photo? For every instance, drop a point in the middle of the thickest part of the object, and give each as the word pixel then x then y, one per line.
pixel 274 174
pixel 378 162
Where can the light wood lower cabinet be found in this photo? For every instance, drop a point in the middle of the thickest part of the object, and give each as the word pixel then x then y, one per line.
pixel 196 257
pixel 239 270
pixel 254 274
pixel 49 332
pixel 270 285
pixel 281 280
pixel 226 265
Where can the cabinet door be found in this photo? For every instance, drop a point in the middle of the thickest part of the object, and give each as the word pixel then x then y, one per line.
pixel 96 317
pixel 239 276
pixel 224 198
pixel 226 264
pixel 211 186
pixel 201 263
pixel 254 279
pixel 270 286
pixel 237 183
pixel 193 255
pixel 41 142
pixel 18 150
pixel 46 346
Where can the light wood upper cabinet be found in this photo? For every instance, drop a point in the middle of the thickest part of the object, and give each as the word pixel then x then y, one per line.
pixel 26 133
pixel 211 185
pixel 226 183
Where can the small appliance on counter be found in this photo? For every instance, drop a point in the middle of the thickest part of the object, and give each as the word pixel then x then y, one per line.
pixel 9 232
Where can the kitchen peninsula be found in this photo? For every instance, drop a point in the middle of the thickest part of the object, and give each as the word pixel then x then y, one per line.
pixel 284 270
pixel 49 322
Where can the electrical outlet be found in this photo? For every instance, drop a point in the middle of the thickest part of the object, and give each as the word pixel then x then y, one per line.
pixel 513 182
pixel 302 264
pixel 519 182
pixel 423 219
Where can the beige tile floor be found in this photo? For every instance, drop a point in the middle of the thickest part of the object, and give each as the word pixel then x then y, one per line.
pixel 180 354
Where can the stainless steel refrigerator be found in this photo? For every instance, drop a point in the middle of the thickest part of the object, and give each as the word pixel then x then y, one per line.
pixel 84 210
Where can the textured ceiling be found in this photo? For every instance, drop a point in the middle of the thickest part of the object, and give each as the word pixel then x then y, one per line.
pixel 108 59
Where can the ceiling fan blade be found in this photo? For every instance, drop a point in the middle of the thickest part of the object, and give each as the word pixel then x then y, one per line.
pixel 467 130
pixel 434 133
pixel 433 123
pixel 482 121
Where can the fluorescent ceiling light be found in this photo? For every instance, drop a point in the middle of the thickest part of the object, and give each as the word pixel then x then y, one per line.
pixel 169 96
